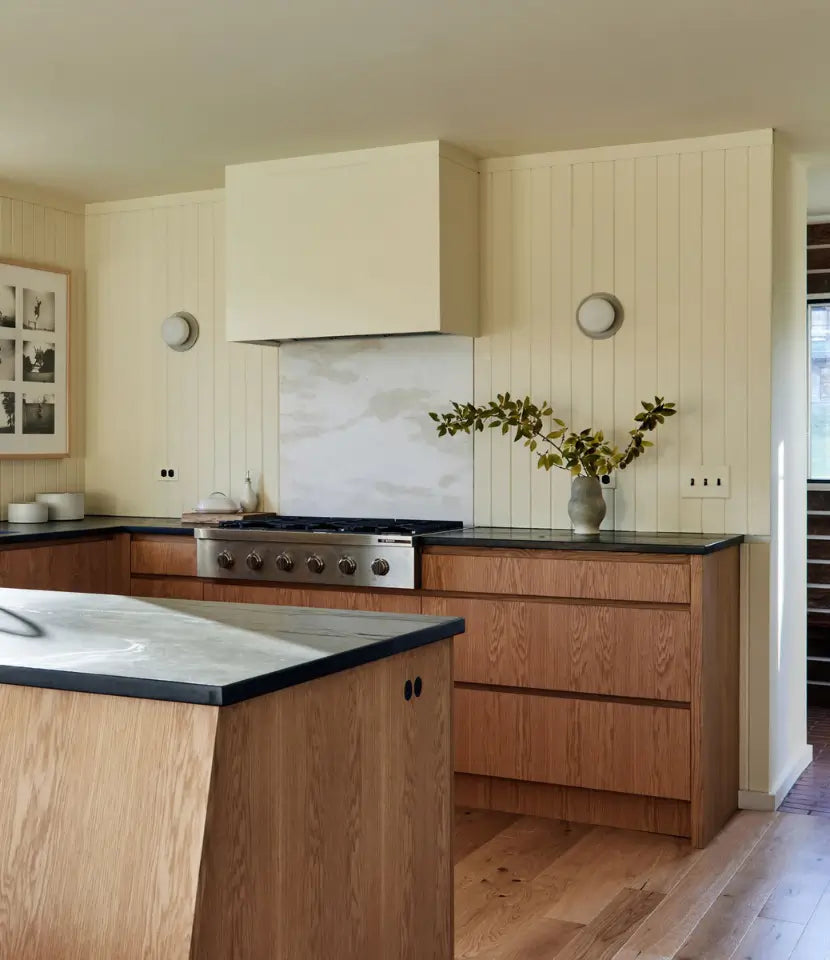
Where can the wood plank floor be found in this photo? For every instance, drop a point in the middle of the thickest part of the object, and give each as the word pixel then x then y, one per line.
pixel 533 889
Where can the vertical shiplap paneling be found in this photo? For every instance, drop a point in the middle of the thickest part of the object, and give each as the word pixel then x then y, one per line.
pixel 222 369
pixel 582 229
pixel 689 422
pixel 602 269
pixel 540 333
pixel 206 307
pixel 646 336
pixel 209 412
pixel 520 339
pixel 736 319
pixel 625 288
pixel 759 296
pixel 682 235
pixel 562 326
pixel 500 337
pixel 482 359
pixel 667 446
pixel 713 327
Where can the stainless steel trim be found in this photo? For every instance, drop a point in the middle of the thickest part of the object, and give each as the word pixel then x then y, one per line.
pixel 301 536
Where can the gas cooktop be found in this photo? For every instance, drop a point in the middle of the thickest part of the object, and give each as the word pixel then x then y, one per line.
pixel 344 551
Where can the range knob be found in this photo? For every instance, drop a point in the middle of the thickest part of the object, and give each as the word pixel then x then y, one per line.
pixel 380 567
pixel 254 561
pixel 315 564
pixel 347 565
pixel 285 562
pixel 225 560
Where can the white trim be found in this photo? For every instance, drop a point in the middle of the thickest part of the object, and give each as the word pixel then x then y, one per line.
pixel 758 800
pixel 747 138
pixel 167 200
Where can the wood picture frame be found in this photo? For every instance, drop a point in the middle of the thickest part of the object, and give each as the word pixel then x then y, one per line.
pixel 35 323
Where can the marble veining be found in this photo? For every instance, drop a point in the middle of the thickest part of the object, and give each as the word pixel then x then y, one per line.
pixel 355 438
pixel 187 642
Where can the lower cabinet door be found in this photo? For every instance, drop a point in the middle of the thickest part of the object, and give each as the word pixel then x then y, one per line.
pixel 379 600
pixel 598 744
pixel 171 588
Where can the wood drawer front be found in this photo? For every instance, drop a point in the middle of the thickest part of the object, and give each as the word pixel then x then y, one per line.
pixel 164 556
pixel 328 599
pixel 621 651
pixel 537 573
pixel 174 588
pixel 599 744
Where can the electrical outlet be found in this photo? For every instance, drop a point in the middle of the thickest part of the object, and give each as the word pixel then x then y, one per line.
pixel 609 482
pixel 167 474
pixel 705 483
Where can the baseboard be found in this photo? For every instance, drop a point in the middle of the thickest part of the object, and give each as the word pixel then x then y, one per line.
pixel 759 800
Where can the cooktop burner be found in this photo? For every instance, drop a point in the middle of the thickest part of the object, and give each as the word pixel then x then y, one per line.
pixel 353 525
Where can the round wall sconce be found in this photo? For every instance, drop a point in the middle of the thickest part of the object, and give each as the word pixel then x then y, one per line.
pixel 180 330
pixel 599 316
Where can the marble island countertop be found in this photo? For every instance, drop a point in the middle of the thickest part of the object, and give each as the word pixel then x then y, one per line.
pixel 188 650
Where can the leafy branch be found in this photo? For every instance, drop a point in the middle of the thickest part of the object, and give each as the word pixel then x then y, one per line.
pixel 586 453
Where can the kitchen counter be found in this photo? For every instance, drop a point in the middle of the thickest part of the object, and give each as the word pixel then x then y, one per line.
pixel 145 817
pixel 191 651
pixel 612 541
pixel 68 529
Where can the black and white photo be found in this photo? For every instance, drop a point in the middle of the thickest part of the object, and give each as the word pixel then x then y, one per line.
pixel 38 310
pixel 38 361
pixel 8 306
pixel 8 348
pixel 38 413
pixel 34 360
pixel 7 408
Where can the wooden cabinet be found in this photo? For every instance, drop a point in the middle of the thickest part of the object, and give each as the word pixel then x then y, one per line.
pixel 83 566
pixel 169 588
pixel 375 600
pixel 640 577
pixel 598 744
pixel 163 556
pixel 581 647
pixel 593 685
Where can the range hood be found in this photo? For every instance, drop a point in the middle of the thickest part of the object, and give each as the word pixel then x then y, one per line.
pixel 364 243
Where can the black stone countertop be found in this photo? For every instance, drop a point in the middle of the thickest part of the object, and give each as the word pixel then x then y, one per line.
pixel 67 529
pixel 191 651
pixel 612 541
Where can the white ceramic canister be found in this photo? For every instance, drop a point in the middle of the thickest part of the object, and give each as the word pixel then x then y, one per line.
pixel 63 506
pixel 28 513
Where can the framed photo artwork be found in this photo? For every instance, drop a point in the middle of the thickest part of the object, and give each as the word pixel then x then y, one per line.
pixel 34 361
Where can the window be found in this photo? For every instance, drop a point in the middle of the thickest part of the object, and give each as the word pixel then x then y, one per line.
pixel 819 329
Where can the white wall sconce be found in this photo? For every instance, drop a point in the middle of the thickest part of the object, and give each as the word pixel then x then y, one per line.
pixel 180 330
pixel 599 316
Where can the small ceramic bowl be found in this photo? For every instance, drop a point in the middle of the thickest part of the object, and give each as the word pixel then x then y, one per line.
pixel 28 513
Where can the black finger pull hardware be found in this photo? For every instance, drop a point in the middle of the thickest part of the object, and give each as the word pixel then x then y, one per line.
pixel 409 688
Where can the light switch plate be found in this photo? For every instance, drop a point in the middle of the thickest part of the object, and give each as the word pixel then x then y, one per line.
pixel 709 483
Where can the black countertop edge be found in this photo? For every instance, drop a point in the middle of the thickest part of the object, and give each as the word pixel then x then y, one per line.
pixel 619 541
pixel 226 695
pixel 89 527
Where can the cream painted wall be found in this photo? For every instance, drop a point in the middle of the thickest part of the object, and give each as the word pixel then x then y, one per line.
pixel 212 412
pixel 46 230
pixel 681 233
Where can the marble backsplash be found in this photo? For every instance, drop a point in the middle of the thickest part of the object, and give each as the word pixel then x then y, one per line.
pixel 355 438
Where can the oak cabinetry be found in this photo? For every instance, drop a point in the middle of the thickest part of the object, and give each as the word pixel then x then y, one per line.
pixel 163 556
pixel 167 588
pixel 596 686
pixel 88 565
pixel 377 601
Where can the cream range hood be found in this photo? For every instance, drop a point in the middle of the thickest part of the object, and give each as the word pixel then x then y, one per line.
pixel 364 243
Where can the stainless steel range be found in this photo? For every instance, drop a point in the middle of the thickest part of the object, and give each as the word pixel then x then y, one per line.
pixel 336 551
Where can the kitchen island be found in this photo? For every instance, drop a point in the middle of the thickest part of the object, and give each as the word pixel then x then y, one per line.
pixel 202 781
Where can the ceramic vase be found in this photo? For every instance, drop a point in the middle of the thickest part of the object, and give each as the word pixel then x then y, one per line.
pixel 586 508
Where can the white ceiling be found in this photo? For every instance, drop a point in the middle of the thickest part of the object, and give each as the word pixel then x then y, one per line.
pixel 111 99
